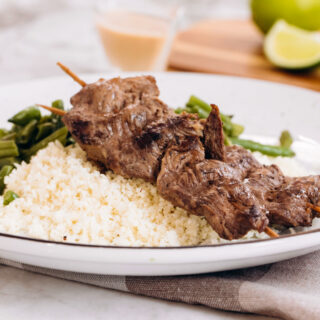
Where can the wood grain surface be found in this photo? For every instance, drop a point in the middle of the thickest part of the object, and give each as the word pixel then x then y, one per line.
pixel 232 47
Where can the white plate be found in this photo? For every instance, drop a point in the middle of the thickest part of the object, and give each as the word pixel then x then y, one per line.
pixel 264 108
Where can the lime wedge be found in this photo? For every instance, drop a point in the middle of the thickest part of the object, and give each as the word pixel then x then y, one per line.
pixel 290 47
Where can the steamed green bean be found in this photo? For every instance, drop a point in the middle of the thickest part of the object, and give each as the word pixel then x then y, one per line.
pixel 8 149
pixel 286 139
pixel 9 136
pixel 27 132
pixel 8 161
pixel 45 119
pixel 44 129
pixel 5 171
pixel 58 104
pixel 8 197
pixel 3 132
pixel 26 115
pixel 274 151
pixel 60 134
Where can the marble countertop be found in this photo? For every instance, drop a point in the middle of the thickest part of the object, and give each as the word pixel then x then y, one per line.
pixel 34 35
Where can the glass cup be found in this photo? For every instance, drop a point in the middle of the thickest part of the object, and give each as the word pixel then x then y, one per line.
pixel 137 35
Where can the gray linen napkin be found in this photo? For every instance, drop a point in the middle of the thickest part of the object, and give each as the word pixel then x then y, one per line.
pixel 289 290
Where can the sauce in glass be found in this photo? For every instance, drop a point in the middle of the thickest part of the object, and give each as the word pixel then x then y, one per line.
pixel 135 41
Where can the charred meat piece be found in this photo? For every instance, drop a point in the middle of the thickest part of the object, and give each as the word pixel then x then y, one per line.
pixel 122 124
pixel 287 205
pixel 213 135
pixel 211 188
pixel 237 195
pixel 110 96
pixel 171 130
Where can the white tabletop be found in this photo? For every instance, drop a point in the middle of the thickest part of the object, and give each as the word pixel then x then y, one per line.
pixel 34 34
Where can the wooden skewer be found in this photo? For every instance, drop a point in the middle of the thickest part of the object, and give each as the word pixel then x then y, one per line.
pixel 313 207
pixel 53 110
pixel 271 233
pixel 71 74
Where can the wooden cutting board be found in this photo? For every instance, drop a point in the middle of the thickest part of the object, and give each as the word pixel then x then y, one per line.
pixel 232 47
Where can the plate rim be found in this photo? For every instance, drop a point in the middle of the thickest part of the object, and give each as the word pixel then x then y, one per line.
pixel 86 245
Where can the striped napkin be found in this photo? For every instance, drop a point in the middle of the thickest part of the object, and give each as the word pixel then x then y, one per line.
pixel 288 290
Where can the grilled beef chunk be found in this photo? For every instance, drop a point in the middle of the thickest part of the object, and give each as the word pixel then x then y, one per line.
pixel 287 205
pixel 122 125
pixel 112 95
pixel 237 195
pixel 211 188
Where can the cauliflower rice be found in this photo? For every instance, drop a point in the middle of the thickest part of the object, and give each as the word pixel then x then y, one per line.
pixel 64 197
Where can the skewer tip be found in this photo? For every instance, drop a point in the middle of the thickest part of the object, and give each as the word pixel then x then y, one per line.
pixel 271 233
pixel 71 74
pixel 53 110
pixel 313 207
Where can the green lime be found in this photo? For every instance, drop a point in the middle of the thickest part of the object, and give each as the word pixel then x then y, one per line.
pixel 301 13
pixel 290 47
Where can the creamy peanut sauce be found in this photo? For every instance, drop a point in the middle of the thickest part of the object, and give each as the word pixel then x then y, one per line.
pixel 134 41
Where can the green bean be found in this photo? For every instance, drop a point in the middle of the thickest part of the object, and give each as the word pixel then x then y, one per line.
pixel 45 119
pixel 193 100
pixel 58 104
pixel 10 136
pixel 236 130
pixel 44 130
pixel 227 125
pixel 27 133
pixel 286 139
pixel 3 132
pixel 9 196
pixel 201 113
pixel 7 144
pixel 227 141
pixel 186 109
pixel 191 108
pixel 274 151
pixel 60 134
pixel 16 128
pixel 8 161
pixel 56 119
pixel 8 149
pixel 10 152
pixel 24 116
pixel 5 171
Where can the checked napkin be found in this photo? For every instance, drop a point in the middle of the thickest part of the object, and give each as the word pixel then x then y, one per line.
pixel 288 290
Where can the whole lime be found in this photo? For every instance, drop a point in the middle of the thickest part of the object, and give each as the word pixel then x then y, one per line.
pixel 301 13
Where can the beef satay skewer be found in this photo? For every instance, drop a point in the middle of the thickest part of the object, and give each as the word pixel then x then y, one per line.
pixel 71 74
pixel 59 112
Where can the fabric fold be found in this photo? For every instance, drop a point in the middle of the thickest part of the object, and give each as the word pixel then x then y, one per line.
pixel 289 290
